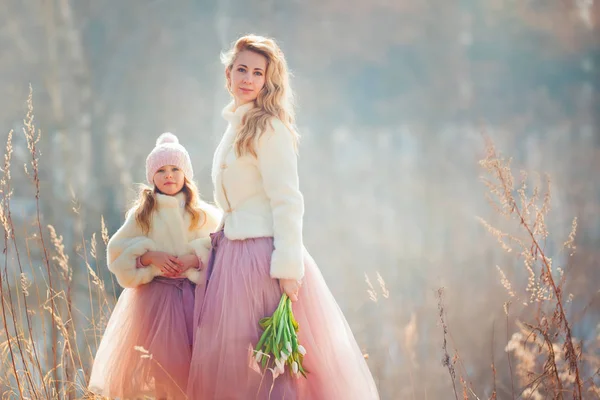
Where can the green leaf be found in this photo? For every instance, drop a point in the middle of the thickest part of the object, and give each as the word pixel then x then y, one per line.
pixel 265 322
pixel 263 337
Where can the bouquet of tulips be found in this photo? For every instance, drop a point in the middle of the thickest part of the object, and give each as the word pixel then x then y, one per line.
pixel 278 344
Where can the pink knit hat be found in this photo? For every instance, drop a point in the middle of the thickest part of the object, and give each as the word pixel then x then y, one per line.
pixel 168 151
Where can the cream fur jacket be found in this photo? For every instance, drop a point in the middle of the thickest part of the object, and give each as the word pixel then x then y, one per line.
pixel 260 195
pixel 169 232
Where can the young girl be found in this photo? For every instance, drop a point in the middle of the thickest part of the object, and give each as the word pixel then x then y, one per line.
pixel 158 256
pixel 259 252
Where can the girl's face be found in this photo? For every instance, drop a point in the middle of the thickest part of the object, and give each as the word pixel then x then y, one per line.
pixel 247 76
pixel 169 180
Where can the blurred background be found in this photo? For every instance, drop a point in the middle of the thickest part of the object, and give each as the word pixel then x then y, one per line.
pixel 394 100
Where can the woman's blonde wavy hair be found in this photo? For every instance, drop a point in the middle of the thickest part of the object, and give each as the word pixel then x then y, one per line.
pixel 274 100
pixel 146 204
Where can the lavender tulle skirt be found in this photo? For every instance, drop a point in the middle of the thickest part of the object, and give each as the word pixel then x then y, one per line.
pixel 146 347
pixel 239 293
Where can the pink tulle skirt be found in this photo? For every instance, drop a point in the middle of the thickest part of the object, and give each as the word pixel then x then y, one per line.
pixel 240 292
pixel 146 348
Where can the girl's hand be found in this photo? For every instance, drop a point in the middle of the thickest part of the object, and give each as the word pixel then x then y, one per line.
pixel 291 287
pixel 168 264
pixel 188 261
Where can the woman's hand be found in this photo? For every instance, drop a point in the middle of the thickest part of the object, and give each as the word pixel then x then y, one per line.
pixel 168 264
pixel 291 287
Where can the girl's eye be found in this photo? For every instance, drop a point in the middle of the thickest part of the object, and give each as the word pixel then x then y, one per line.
pixel 258 73
pixel 240 69
pixel 175 169
pixel 161 170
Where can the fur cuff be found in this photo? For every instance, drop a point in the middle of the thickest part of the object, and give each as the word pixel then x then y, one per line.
pixel 123 263
pixel 287 265
pixel 196 276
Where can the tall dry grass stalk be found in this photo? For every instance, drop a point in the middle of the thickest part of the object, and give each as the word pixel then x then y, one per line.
pixel 49 330
pixel 549 363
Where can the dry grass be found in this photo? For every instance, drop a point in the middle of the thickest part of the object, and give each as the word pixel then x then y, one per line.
pixel 545 361
pixel 44 353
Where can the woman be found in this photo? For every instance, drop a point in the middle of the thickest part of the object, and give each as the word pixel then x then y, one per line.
pixel 258 253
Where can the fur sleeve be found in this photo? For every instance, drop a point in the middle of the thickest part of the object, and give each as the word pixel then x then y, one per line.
pixel 278 165
pixel 123 248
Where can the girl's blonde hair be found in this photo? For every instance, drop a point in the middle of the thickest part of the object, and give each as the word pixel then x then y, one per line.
pixel 274 100
pixel 146 204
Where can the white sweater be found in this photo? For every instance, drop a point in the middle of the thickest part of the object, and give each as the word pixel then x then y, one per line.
pixel 169 232
pixel 260 195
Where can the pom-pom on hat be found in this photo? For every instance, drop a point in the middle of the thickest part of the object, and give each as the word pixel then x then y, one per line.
pixel 168 151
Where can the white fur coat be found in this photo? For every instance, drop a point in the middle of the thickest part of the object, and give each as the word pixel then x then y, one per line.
pixel 261 195
pixel 169 232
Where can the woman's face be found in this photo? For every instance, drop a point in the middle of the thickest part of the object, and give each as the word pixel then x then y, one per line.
pixel 247 76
